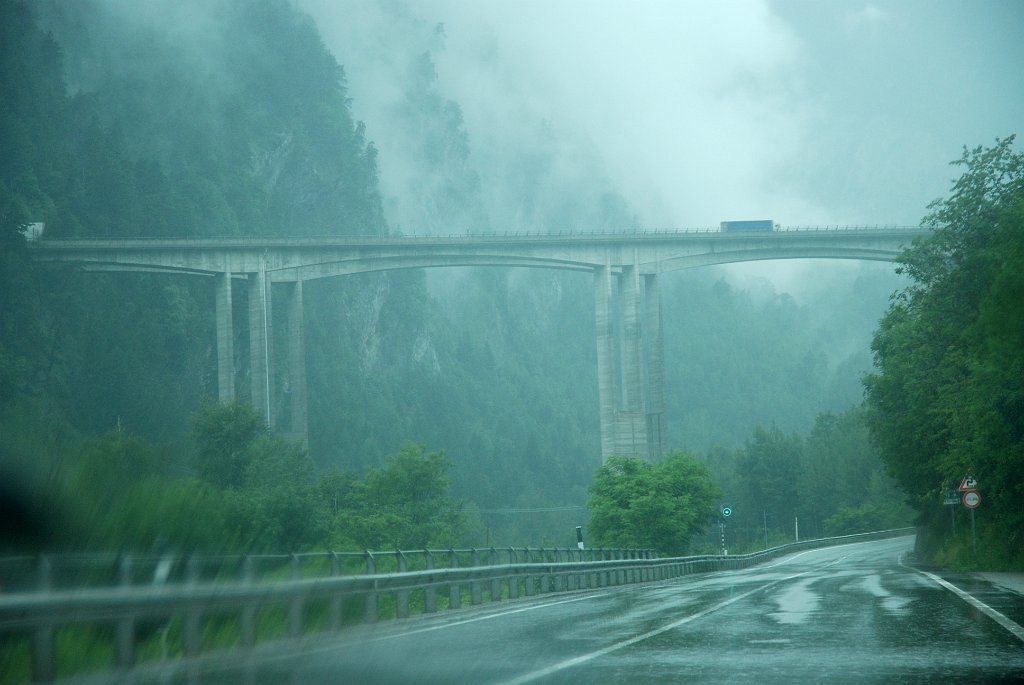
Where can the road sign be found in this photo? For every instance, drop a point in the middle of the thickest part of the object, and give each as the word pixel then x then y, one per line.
pixel 968 483
pixel 972 499
pixel 726 512
pixel 952 497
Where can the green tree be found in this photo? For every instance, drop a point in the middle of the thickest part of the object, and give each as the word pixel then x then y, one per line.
pixel 276 507
pixel 636 503
pixel 949 395
pixel 841 469
pixel 224 435
pixel 770 464
pixel 404 504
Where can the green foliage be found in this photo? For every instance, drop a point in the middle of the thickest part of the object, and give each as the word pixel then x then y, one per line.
pixel 404 504
pixel 770 464
pixel 224 435
pixel 276 508
pixel 949 396
pixel 826 481
pixel 865 518
pixel 119 494
pixel 635 503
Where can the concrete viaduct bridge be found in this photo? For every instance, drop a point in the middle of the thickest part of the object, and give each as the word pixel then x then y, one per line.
pixel 626 269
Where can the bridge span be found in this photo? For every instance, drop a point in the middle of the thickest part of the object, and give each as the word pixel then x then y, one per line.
pixel 626 269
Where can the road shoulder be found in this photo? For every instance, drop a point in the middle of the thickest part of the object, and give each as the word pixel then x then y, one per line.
pixel 1014 582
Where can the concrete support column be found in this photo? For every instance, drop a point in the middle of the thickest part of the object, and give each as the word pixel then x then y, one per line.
pixel 605 324
pixel 631 420
pixel 632 340
pixel 260 343
pixel 655 363
pixel 295 385
pixel 225 338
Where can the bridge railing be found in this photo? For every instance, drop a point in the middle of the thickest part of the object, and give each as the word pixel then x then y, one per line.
pixel 521 234
pixel 218 612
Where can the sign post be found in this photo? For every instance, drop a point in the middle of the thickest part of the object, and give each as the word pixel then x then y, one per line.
pixel 951 499
pixel 971 500
pixel 726 513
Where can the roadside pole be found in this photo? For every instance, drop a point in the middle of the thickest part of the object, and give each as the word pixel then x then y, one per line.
pixel 971 500
pixel 951 499
pixel 726 511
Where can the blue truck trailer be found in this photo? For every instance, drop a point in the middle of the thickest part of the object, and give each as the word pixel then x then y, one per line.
pixel 751 225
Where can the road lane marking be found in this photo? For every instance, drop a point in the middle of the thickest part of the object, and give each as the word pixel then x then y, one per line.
pixel 544 605
pixel 583 658
pixel 1015 629
pixel 255 658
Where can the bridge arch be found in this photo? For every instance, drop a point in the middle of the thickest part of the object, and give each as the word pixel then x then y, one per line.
pixel 626 269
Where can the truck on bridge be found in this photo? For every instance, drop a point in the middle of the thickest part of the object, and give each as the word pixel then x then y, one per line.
pixel 750 225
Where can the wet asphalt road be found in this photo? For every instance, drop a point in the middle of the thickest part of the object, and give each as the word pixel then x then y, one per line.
pixel 848 614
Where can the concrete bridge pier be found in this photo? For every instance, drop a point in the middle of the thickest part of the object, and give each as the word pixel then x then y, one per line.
pixel 655 363
pixel 225 338
pixel 287 405
pixel 294 386
pixel 260 344
pixel 606 382
pixel 631 397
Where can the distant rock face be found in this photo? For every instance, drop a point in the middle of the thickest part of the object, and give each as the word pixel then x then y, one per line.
pixel 365 318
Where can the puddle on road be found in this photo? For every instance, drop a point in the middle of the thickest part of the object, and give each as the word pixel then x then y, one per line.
pixel 796 604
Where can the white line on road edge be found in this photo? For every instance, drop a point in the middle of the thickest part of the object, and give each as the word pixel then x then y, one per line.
pixel 583 658
pixel 1015 629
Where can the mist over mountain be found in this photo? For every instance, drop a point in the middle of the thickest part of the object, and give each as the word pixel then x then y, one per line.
pixel 257 119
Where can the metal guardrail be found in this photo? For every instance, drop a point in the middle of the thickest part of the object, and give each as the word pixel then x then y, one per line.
pixel 42 613
pixel 90 570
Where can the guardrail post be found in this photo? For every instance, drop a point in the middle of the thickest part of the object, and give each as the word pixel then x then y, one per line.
pixel 475 590
pixel 335 606
pixel 247 626
pixel 454 591
pixel 371 597
pixel 296 605
pixel 513 578
pixel 495 580
pixel 193 612
pixel 125 631
pixel 43 670
pixel 545 577
pixel 429 592
pixel 402 596
pixel 528 588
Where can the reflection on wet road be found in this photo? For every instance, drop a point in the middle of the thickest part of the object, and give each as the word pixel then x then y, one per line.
pixel 844 614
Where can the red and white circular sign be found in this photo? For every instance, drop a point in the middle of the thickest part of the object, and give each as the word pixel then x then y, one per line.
pixel 971 499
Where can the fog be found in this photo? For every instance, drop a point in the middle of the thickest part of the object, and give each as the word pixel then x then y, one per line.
pixel 806 113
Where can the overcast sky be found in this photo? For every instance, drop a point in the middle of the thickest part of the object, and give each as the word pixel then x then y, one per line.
pixel 808 113
pixel 804 112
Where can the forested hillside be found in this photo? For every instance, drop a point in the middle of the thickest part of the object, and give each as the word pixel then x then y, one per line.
pixel 154 123
pixel 947 402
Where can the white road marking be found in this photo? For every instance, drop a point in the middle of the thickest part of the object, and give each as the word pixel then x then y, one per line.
pixel 583 658
pixel 447 624
pixel 1015 629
